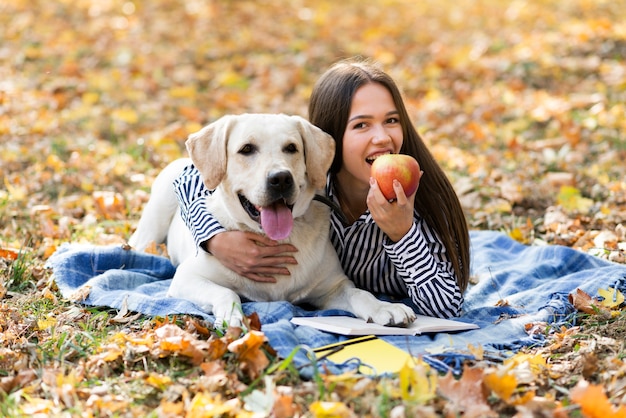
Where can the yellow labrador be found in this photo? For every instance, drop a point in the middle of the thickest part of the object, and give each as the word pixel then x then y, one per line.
pixel 264 170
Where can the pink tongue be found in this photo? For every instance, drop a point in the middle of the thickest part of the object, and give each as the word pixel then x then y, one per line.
pixel 276 221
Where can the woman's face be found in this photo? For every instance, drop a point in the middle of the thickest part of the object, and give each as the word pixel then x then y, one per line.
pixel 373 129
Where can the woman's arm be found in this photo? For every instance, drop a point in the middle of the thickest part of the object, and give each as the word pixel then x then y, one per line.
pixel 422 262
pixel 192 194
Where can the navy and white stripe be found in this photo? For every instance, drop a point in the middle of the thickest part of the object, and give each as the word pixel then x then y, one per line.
pixel 191 193
pixel 416 266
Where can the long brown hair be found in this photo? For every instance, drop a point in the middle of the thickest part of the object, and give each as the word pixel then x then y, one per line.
pixel 435 201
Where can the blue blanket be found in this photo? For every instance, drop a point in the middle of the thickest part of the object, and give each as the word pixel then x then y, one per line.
pixel 517 285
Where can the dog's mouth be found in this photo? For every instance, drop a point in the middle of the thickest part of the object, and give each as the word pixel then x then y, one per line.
pixel 276 219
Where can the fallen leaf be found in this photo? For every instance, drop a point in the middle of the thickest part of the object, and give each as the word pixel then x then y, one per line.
pixel 110 205
pixel 171 338
pixel 613 298
pixel 417 383
pixel 249 353
pixel 9 254
pixel 593 401
pixel 210 405
pixel 330 410
pixel 583 302
pixel 123 315
pixel 467 395
pixel 571 199
pixel 159 381
pixel 502 384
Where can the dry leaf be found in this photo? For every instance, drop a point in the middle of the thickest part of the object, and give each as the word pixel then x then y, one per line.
pixel 466 396
pixel 613 298
pixel 210 405
pixel 593 401
pixel 9 254
pixel 123 315
pixel 249 353
pixel 583 302
pixel 173 339
pixel 330 410
pixel 417 383
pixel 502 384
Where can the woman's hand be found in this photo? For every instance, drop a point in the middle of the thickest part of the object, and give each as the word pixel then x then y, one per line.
pixel 252 255
pixel 394 218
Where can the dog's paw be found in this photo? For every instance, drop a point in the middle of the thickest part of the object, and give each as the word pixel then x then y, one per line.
pixel 394 315
pixel 228 317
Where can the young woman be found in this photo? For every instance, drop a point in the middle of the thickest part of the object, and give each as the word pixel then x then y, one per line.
pixel 414 247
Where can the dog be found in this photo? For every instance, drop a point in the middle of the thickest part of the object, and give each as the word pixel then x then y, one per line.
pixel 264 170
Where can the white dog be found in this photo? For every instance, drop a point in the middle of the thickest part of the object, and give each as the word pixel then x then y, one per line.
pixel 264 170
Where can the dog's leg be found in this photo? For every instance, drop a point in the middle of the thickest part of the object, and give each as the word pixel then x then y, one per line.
pixel 365 305
pixel 160 209
pixel 191 282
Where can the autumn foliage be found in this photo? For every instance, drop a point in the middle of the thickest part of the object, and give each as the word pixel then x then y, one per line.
pixel 522 102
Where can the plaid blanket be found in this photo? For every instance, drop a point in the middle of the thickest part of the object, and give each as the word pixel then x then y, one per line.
pixel 516 285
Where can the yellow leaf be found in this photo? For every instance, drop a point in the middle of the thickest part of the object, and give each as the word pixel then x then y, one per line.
pixel 417 383
pixel 478 351
pixel 125 114
pixel 54 161
pixel 192 127
pixel 47 322
pixel 570 198
pixel 159 381
pixel 186 92
pixel 536 362
pixel 109 353
pixel 517 235
pixel 232 79
pixel 502 385
pixel 206 405
pixel 612 297
pixel 16 193
pixel 330 410
pixel 90 98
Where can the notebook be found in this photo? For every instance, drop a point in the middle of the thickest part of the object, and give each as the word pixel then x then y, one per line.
pixel 373 355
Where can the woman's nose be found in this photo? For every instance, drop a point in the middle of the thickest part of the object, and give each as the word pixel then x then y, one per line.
pixel 381 136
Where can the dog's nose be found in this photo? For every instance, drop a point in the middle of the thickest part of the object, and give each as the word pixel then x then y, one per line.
pixel 280 181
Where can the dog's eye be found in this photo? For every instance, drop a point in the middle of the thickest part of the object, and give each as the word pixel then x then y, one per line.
pixel 291 149
pixel 247 149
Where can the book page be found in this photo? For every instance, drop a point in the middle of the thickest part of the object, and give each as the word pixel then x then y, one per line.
pixel 346 325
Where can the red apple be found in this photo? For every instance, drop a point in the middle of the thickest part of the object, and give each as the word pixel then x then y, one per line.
pixel 402 167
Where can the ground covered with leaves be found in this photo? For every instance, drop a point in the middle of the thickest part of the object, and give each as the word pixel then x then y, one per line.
pixel 521 101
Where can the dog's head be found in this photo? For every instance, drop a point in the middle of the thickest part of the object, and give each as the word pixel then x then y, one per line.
pixel 268 165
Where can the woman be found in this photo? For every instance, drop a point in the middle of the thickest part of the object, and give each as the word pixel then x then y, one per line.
pixel 415 246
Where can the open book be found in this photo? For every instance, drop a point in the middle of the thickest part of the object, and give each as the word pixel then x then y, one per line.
pixel 347 325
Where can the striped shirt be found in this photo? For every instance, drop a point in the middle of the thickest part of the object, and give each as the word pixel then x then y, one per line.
pixel 417 266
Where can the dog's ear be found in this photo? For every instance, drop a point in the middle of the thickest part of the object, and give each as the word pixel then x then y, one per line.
pixel 319 151
pixel 207 149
